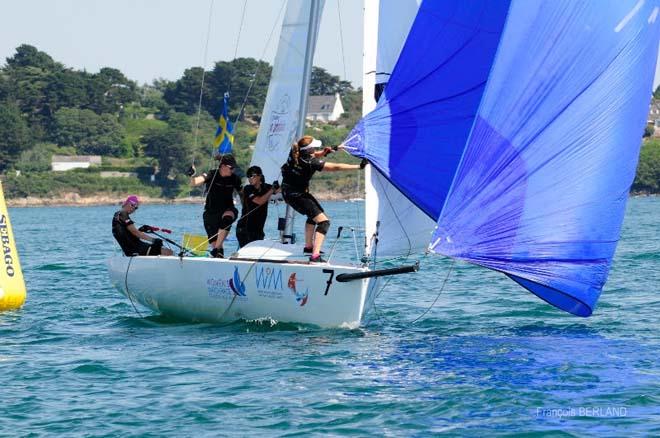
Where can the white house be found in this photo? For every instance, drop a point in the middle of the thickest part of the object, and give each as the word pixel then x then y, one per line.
pixel 654 116
pixel 324 108
pixel 61 163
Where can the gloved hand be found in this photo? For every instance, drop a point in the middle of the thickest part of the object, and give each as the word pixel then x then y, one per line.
pixel 327 151
pixel 190 171
pixel 276 185
pixel 158 242
pixel 336 148
pixel 364 163
pixel 146 228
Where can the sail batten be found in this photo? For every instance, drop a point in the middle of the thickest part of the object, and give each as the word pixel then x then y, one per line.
pixel 528 172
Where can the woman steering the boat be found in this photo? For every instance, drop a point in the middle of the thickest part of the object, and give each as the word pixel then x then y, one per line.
pixel 304 160
pixel 219 210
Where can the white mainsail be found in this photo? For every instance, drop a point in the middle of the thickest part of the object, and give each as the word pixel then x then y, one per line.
pixel 286 102
pixel 402 227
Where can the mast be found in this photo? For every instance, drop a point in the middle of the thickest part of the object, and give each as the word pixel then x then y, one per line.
pixel 312 34
pixel 369 62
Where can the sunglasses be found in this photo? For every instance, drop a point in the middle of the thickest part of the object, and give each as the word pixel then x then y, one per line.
pixel 135 206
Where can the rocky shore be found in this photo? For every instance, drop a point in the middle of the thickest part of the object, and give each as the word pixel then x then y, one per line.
pixel 75 200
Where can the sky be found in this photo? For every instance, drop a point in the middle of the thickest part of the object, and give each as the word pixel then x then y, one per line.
pixel 150 39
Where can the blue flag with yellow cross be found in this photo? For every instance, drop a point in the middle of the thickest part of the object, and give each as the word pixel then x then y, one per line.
pixel 224 136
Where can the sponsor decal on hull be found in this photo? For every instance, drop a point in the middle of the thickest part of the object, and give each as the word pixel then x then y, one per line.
pixel 227 288
pixel 301 297
pixel 269 282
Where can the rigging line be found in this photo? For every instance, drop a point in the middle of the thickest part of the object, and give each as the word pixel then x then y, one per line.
pixel 128 294
pixel 341 40
pixel 201 88
pixel 244 279
pixel 439 293
pixel 396 216
pixel 238 39
pixel 358 211
pixel 240 28
pixel 263 54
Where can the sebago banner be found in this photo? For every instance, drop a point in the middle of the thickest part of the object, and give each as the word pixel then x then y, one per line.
pixel 12 285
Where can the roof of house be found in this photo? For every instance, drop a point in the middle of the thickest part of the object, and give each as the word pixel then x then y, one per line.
pixel 94 159
pixel 321 104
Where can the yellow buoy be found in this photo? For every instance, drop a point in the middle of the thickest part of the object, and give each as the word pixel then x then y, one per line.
pixel 12 285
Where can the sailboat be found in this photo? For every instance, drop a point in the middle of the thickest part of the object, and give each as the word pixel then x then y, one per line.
pixel 265 279
pixel 12 285
pixel 504 134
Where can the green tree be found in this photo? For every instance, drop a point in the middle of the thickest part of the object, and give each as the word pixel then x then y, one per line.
pixel 27 86
pixel 88 132
pixel 656 93
pixel 648 130
pixel 647 178
pixel 352 103
pixel 170 147
pixel 38 158
pixel 109 90
pixel 29 56
pixel 323 83
pixel 246 79
pixel 152 100
pixel 183 95
pixel 4 86
pixel 14 134
pixel 66 88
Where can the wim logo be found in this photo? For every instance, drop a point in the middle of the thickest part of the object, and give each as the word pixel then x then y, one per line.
pixel 269 278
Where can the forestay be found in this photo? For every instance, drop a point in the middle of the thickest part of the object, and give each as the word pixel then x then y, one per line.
pixel 386 26
pixel 517 125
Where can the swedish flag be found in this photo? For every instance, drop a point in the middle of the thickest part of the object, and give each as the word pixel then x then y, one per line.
pixel 224 136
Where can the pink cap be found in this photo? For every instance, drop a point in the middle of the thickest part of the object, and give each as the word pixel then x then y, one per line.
pixel 132 199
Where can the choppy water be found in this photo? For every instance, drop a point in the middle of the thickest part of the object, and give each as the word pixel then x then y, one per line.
pixel 487 359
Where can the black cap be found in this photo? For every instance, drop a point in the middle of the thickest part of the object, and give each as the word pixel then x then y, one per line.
pixel 227 160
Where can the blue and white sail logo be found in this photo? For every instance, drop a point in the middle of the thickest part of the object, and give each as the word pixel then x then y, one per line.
pixel 235 283
pixel 226 288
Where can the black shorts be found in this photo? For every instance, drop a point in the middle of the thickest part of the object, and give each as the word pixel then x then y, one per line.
pixel 212 222
pixel 304 203
pixel 246 236
pixel 146 249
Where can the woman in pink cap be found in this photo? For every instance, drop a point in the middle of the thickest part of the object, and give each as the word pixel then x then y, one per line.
pixel 129 237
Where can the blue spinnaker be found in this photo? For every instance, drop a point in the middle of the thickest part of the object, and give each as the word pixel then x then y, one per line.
pixel 417 133
pixel 536 185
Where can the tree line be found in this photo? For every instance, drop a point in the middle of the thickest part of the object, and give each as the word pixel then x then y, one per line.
pixel 47 108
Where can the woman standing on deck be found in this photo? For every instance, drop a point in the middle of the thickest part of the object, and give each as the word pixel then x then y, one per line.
pixel 304 160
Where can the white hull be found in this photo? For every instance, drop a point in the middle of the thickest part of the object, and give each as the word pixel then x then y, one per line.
pixel 263 281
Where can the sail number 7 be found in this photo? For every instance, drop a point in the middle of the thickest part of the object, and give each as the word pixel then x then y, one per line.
pixel 329 282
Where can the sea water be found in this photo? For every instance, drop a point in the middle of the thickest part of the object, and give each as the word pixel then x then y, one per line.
pixel 488 358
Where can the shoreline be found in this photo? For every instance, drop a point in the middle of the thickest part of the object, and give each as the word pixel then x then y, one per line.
pixel 75 200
